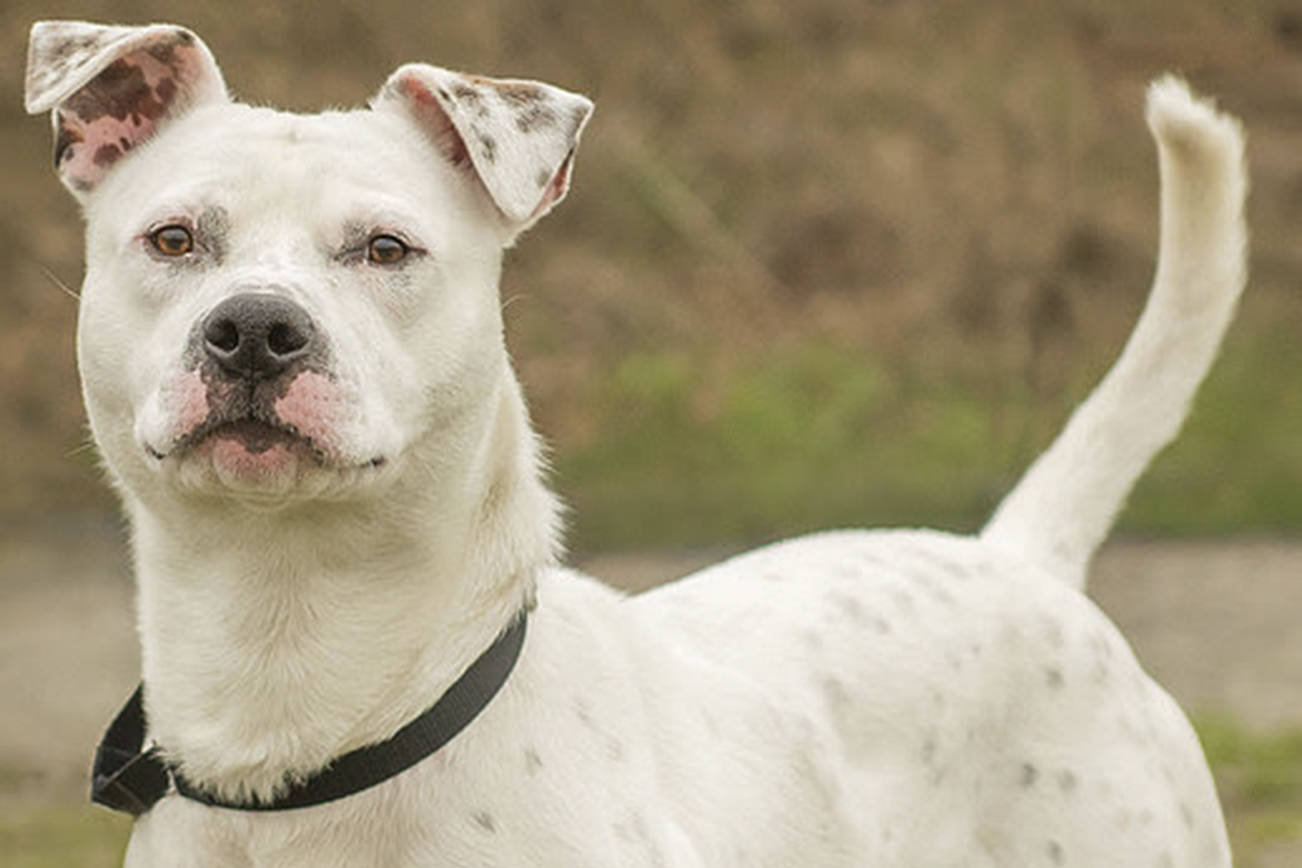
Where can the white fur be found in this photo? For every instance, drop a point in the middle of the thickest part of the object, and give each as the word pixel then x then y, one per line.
pixel 884 698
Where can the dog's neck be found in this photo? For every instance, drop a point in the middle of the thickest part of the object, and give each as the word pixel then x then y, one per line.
pixel 275 641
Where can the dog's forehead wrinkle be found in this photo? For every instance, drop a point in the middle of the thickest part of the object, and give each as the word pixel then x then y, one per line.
pixel 338 216
pixel 217 145
pixel 367 155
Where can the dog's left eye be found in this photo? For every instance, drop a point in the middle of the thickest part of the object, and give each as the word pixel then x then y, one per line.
pixel 386 250
pixel 172 240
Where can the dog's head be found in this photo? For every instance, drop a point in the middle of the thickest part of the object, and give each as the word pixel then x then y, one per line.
pixel 279 305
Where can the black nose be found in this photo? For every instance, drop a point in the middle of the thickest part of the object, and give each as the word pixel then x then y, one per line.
pixel 256 335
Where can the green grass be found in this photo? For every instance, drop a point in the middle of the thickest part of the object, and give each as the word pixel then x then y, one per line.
pixel 62 836
pixel 806 437
pixel 1259 777
pixel 819 434
pixel 1226 473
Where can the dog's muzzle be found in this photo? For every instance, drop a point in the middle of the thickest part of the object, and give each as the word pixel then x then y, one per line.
pixel 257 387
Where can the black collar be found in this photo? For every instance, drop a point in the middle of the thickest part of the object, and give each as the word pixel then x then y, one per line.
pixel 127 778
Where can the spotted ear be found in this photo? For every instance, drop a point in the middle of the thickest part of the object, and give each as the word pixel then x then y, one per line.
pixel 110 88
pixel 518 137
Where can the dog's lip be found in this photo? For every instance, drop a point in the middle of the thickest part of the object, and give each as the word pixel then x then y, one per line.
pixel 258 436
pixel 255 434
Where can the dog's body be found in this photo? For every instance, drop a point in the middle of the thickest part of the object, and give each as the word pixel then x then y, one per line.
pixel 327 532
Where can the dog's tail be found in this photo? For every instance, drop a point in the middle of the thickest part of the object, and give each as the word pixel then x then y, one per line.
pixel 1063 507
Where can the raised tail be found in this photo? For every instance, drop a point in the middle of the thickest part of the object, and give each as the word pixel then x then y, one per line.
pixel 1062 508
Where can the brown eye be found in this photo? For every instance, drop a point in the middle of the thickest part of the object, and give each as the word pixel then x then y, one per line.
pixel 172 240
pixel 386 250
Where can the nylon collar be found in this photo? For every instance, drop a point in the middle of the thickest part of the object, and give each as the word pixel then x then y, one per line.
pixel 128 778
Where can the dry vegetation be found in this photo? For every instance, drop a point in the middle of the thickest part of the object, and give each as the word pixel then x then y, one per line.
pixel 831 260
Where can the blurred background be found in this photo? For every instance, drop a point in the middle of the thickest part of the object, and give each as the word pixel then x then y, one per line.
pixel 836 262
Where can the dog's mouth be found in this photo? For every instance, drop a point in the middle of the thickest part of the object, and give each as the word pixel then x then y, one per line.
pixel 252 446
pixel 247 454
pixel 257 436
pixel 253 435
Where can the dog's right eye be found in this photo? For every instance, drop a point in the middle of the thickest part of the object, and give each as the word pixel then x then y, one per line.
pixel 172 240
pixel 386 250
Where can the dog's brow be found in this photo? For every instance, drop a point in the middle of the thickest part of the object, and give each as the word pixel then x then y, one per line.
pixel 357 231
pixel 355 234
pixel 214 224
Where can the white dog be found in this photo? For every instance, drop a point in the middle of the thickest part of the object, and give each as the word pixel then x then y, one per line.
pixel 290 342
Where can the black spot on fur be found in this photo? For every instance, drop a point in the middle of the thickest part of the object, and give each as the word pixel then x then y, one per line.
pixel 467 93
pixel 63 142
pixel 107 155
pixel 848 606
pixel 835 693
pixel 76 46
pixel 582 713
pixel 577 116
pixel 119 92
pixel 535 117
pixel 519 94
pixel 163 52
pixel 214 226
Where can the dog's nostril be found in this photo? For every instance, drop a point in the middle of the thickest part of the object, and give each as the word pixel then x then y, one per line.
pixel 284 338
pixel 222 334
pixel 257 335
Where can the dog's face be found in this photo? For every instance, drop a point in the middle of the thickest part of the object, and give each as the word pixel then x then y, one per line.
pixel 276 302
pixel 280 306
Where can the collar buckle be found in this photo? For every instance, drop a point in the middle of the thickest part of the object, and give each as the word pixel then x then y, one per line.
pixel 124 777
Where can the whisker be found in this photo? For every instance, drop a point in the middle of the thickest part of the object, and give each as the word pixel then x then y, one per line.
pixel 71 453
pixel 60 284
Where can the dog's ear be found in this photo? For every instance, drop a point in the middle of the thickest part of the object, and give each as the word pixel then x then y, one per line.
pixel 110 88
pixel 518 137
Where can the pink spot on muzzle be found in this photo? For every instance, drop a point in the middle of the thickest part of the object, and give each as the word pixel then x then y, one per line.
pixel 188 396
pixel 315 405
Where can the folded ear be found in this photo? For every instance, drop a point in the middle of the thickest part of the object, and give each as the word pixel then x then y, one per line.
pixel 111 88
pixel 518 137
